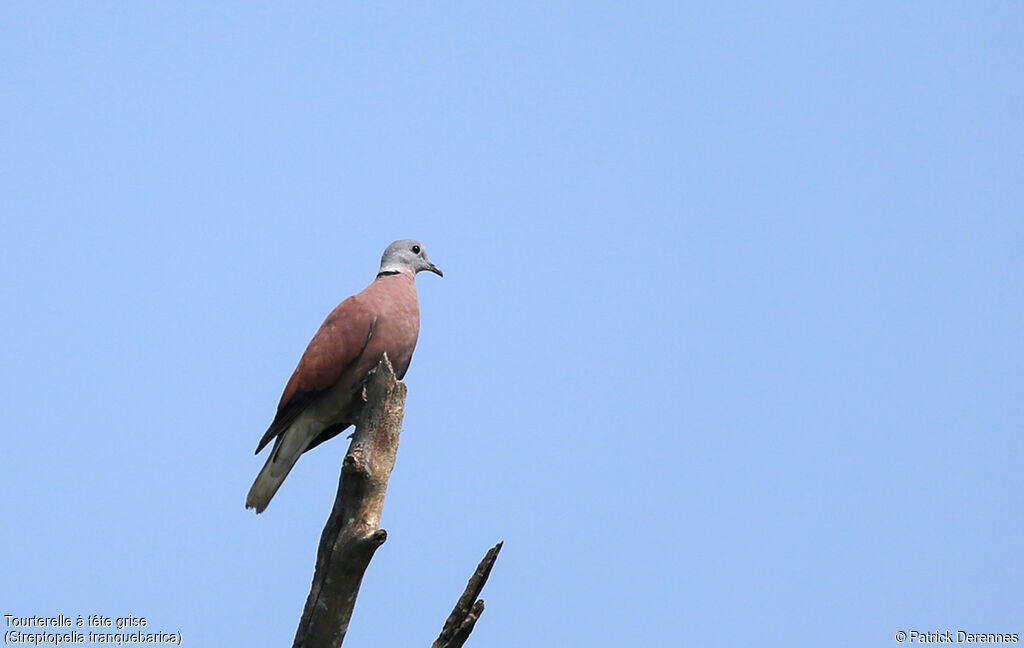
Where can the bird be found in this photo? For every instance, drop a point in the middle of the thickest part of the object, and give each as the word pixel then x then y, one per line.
pixel 323 397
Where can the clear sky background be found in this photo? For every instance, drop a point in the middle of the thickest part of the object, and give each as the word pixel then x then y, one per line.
pixel 728 349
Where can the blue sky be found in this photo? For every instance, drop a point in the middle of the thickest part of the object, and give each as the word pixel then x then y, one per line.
pixel 728 348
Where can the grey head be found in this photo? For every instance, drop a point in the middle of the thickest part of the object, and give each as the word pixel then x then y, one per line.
pixel 406 255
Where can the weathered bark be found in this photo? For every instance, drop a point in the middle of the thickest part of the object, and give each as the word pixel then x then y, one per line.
pixel 353 532
pixel 468 608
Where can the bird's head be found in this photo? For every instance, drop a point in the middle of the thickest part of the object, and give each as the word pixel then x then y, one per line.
pixel 407 256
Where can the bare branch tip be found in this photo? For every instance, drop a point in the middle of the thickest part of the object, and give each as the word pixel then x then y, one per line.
pixel 379 537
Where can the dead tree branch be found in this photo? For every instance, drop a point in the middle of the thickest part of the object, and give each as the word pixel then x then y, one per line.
pixel 353 532
pixel 469 608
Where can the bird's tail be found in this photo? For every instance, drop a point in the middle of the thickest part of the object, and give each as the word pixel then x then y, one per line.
pixel 289 446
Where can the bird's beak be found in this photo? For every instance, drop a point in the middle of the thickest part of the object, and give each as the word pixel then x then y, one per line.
pixel 433 268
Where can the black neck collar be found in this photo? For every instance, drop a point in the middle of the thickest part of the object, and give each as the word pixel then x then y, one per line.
pixel 386 273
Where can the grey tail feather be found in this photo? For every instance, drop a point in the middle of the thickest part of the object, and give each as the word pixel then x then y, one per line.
pixel 286 452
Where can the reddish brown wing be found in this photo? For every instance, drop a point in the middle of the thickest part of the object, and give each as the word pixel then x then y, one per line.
pixel 338 343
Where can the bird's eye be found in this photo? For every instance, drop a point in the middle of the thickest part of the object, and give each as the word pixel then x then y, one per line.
pixel 415 249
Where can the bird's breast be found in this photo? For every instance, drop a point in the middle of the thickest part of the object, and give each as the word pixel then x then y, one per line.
pixel 398 323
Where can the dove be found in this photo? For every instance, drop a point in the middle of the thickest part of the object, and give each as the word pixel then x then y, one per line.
pixel 323 397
